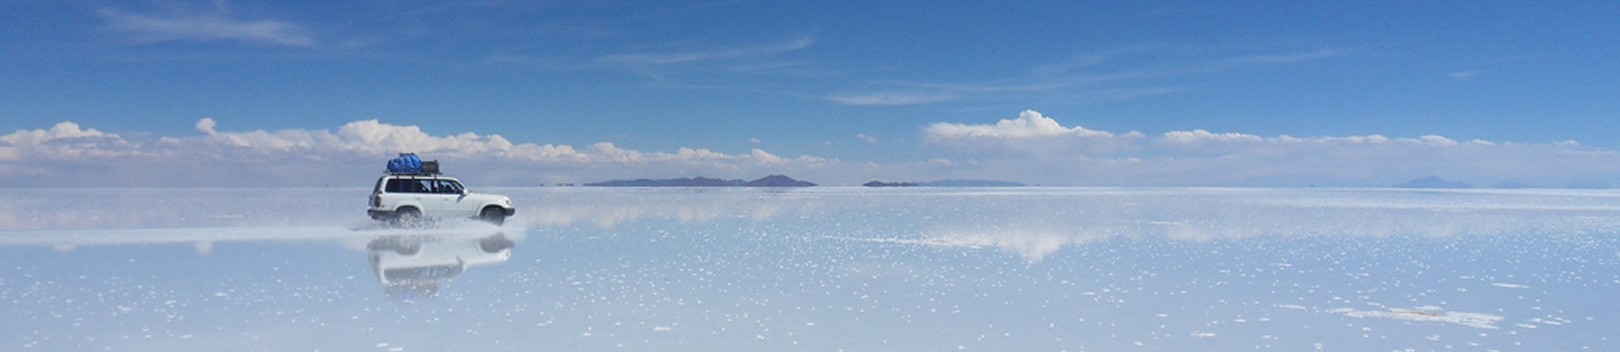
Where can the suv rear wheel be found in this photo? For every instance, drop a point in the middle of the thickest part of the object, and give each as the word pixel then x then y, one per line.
pixel 407 216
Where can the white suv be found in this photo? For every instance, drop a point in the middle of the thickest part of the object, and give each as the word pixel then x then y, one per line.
pixel 402 198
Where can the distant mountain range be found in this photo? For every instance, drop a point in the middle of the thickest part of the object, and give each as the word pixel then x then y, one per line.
pixel 767 181
pixel 1435 182
pixel 945 183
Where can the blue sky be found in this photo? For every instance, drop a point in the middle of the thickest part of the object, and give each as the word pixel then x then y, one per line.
pixel 1289 93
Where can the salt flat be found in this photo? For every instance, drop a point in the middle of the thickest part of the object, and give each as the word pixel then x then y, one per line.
pixel 821 269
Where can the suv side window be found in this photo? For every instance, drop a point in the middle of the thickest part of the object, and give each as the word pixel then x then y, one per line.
pixel 397 185
pixel 408 186
pixel 447 187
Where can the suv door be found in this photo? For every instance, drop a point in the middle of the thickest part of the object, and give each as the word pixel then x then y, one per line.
pixel 434 199
pixel 452 197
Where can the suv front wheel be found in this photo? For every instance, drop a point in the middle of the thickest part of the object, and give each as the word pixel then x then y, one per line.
pixel 493 215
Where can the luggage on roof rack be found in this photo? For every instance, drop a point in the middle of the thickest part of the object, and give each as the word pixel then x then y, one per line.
pixel 409 163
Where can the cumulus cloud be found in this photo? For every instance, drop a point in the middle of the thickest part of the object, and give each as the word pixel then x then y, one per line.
pixel 64 140
pixel 1196 137
pixel 355 148
pixel 1028 124
pixel 1037 149
pixel 1029 133
pixel 206 125
pixel 65 130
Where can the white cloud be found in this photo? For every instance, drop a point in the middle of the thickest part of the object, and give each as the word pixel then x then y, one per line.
pixel 1438 140
pixel 1037 149
pixel 64 140
pixel 869 139
pixel 1196 137
pixel 1463 75
pixel 1029 133
pixel 65 130
pixel 890 99
pixel 359 147
pixel 764 157
pixel 1028 124
pixel 208 26
pixel 670 58
pixel 1031 148
pixel 206 126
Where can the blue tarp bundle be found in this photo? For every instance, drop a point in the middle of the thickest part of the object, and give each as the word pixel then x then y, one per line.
pixel 406 163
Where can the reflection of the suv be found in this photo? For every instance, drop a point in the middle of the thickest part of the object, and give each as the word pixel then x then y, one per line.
pixel 409 266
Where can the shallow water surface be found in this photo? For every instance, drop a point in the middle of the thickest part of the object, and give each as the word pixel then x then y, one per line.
pixel 820 269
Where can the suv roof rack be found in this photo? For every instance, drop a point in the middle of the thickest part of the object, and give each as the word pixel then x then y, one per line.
pixel 429 168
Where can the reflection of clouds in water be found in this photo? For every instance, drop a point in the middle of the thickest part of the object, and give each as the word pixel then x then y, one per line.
pixel 203 240
pixel 1042 226
pixel 1030 244
pixel 1033 223
pixel 143 208
pixel 609 208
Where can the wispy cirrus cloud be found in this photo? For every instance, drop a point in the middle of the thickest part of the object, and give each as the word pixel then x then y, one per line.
pixel 1110 75
pixel 890 98
pixel 215 25
pixel 698 56
pixel 1285 58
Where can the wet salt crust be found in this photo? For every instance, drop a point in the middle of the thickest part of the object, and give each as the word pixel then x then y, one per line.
pixel 821 269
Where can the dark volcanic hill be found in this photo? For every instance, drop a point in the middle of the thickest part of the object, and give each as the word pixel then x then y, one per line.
pixel 778 181
pixel 1433 182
